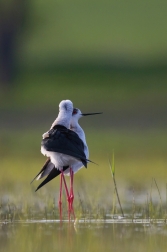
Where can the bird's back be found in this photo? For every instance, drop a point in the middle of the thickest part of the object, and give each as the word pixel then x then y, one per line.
pixel 65 141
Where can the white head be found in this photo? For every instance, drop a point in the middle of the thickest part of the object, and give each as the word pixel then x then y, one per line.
pixel 65 114
pixel 76 114
pixel 66 106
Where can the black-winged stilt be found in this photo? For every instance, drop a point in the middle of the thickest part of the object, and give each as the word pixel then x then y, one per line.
pixel 56 146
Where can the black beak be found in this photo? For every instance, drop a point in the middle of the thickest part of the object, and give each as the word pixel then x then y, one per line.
pixel 91 114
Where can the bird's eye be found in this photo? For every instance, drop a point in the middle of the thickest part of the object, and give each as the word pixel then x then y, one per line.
pixel 75 111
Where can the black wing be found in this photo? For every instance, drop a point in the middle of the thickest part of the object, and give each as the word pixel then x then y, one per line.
pixel 65 141
pixel 54 173
pixel 44 171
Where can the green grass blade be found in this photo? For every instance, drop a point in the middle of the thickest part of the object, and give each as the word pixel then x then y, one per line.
pixel 113 164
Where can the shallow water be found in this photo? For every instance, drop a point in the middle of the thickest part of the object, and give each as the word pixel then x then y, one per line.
pixel 95 235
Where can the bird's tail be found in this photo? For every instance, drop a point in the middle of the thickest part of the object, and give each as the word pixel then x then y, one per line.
pixel 89 161
pixel 54 173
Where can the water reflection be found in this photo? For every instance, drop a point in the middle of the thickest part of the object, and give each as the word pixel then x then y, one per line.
pixel 85 236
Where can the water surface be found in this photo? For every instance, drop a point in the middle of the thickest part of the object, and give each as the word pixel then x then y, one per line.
pixel 94 235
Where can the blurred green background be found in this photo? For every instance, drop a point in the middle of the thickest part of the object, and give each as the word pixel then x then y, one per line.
pixel 105 56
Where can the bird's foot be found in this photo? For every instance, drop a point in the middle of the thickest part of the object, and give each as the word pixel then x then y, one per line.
pixel 71 205
pixel 69 209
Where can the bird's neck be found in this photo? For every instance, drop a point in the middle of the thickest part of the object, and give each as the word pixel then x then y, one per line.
pixel 77 128
pixel 62 119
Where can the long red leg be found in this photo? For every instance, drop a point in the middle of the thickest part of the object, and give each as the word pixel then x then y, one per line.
pixel 60 198
pixel 67 194
pixel 71 191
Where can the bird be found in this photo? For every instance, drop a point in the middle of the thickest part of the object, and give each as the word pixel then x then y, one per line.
pixel 49 167
pixel 74 126
pixel 63 146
